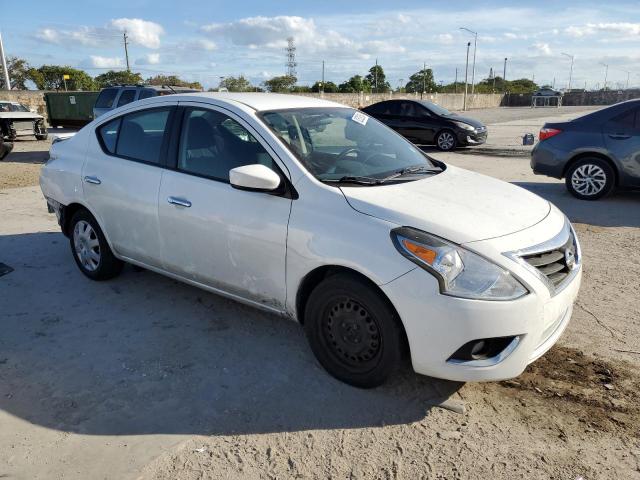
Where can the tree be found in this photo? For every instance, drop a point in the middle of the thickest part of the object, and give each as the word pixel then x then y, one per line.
pixel 237 84
pixel 301 89
pixel 354 85
pixel 50 77
pixel 283 83
pixel 123 77
pixel 172 80
pixel 18 69
pixel 329 87
pixel 421 81
pixel 377 79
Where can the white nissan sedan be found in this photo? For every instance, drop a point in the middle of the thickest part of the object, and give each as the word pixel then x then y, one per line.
pixel 318 212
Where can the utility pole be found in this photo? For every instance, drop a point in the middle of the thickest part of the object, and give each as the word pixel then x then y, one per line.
pixel 126 50
pixel 606 72
pixel 455 83
pixel 424 78
pixel 628 75
pixel 322 84
pixel 466 76
pixel 473 69
pixel 7 82
pixel 375 77
pixel 291 57
pixel 570 70
pixel 504 73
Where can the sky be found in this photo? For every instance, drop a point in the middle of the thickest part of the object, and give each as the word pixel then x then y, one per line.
pixel 204 40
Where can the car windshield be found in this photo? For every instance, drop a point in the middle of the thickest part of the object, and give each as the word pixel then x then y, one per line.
pixel 343 144
pixel 12 107
pixel 437 109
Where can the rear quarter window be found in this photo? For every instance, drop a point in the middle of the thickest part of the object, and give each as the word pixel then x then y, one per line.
pixel 146 93
pixel 108 134
pixel 106 98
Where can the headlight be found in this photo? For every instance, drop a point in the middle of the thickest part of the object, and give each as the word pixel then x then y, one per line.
pixel 466 126
pixel 460 272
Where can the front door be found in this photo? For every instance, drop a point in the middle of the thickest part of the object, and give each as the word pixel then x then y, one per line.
pixel 121 181
pixel 212 233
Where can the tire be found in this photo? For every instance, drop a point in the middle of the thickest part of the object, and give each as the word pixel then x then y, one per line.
pixel 353 331
pixel 90 249
pixel 446 141
pixel 590 179
pixel 42 137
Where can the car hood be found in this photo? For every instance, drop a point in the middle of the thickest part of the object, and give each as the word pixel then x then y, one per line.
pixel 20 115
pixel 458 205
pixel 471 121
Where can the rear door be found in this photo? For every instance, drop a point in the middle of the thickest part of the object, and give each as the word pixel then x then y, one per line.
pixel 212 233
pixel 122 178
pixel 622 138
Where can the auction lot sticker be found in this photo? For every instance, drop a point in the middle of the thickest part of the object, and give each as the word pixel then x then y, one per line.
pixel 360 117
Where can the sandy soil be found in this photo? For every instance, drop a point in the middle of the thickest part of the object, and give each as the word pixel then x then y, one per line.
pixel 145 378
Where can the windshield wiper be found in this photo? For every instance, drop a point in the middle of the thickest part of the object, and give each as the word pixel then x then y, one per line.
pixel 355 179
pixel 411 170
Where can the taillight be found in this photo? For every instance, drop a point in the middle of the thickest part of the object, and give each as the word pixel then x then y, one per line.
pixel 548 133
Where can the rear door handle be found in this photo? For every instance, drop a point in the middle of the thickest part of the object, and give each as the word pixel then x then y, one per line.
pixel 179 201
pixel 93 180
pixel 619 136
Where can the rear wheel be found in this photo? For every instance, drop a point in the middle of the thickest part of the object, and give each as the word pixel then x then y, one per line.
pixel 353 331
pixel 446 140
pixel 90 248
pixel 590 179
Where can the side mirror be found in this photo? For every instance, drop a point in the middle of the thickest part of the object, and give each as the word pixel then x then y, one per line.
pixel 256 177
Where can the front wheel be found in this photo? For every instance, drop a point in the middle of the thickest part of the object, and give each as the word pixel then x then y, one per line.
pixel 90 248
pixel 446 141
pixel 590 179
pixel 353 331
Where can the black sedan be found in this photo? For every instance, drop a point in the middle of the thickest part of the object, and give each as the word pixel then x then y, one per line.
pixel 425 123
pixel 595 153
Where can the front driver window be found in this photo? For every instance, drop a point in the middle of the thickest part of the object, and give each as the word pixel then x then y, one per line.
pixel 212 143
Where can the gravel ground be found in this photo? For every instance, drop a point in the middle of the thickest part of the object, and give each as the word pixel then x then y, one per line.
pixel 145 378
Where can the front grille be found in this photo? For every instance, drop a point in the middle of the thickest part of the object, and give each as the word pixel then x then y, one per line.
pixel 555 265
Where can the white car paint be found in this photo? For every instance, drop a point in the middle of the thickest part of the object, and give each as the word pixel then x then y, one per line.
pixel 257 248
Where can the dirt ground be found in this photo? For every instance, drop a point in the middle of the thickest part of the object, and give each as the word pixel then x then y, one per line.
pixel 145 378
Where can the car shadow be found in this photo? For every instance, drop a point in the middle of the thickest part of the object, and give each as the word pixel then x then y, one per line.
pixel 34 156
pixel 144 354
pixel 620 209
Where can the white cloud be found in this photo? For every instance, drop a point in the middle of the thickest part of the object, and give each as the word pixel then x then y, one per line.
pixel 103 62
pixel 542 48
pixel 622 29
pixel 445 38
pixel 149 59
pixel 140 31
pixel 206 44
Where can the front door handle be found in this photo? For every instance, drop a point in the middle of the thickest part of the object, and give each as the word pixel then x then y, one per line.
pixel 179 201
pixel 619 136
pixel 93 180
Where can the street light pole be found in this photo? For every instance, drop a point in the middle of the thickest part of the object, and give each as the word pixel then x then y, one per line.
pixel 466 76
pixel 606 73
pixel 7 82
pixel 455 84
pixel 570 70
pixel 504 73
pixel 473 69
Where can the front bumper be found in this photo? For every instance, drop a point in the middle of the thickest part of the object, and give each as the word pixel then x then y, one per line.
pixel 437 325
pixel 468 138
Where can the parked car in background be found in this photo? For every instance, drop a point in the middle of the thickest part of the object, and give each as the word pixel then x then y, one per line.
pixel 16 120
pixel 425 123
pixel 595 153
pixel 547 92
pixel 318 212
pixel 117 96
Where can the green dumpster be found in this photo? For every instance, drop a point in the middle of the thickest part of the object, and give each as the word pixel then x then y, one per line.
pixel 70 109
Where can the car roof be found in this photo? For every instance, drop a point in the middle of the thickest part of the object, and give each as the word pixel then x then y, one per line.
pixel 257 101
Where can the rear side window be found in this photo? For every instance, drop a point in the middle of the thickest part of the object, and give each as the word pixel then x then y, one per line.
pixel 146 93
pixel 126 96
pixel 627 119
pixel 106 98
pixel 109 135
pixel 141 135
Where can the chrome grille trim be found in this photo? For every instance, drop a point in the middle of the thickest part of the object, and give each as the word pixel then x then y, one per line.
pixel 549 261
